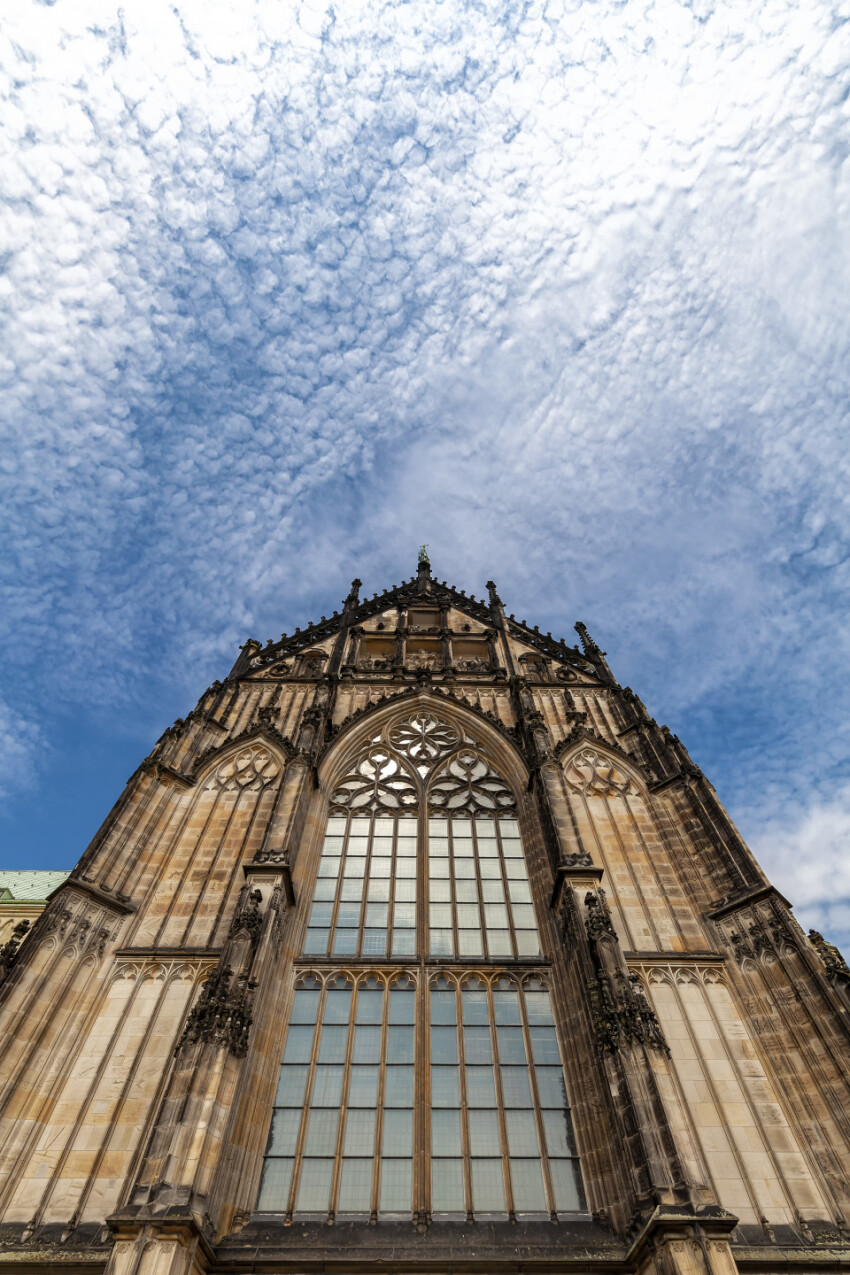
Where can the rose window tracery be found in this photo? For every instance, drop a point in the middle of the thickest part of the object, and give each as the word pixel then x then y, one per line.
pixel 424 739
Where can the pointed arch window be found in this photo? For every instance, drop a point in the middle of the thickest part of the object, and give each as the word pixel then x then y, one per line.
pixel 440 1088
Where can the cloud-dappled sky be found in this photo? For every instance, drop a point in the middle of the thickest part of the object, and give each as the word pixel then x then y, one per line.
pixel 559 288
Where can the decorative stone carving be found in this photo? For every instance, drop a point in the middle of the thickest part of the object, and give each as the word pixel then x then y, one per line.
pixel 621 1011
pixel 578 859
pixel 222 1013
pixel 833 961
pixel 595 775
pixel 467 783
pixel 9 950
pixel 598 921
pixel 252 768
pixel 423 660
pixel 248 918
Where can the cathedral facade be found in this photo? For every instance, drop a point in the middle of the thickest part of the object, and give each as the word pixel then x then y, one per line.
pixel 419 945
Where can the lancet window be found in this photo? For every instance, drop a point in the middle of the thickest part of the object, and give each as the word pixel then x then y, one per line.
pixel 342 1132
pixel 418 1075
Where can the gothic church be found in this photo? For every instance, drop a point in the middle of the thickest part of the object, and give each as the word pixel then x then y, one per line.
pixel 420 946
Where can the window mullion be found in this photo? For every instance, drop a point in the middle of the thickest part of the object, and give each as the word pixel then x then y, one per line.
pixel 343 1104
pixel 422 1105
pixel 423 893
pixel 308 1100
pixel 538 1111
pixel 378 1163
pixel 500 1102
pixel 465 1149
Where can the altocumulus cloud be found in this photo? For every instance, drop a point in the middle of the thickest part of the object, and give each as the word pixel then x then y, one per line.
pixel 558 287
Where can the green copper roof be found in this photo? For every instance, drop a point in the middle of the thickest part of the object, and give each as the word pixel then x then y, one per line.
pixel 28 887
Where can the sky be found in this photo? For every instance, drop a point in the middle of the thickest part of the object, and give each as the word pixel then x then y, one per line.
pixel 558 288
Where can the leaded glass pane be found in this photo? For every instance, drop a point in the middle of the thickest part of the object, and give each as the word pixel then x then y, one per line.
pixel 447 1186
pixel 402 1005
pixel 299 1044
pixel 445 1091
pixel 396 1181
pixel 327 1086
pixel 522 1133
pixel 484 1133
pixel 444 1044
pixel 398 1091
pixel 284 1132
pixel 370 1002
pixel 291 1086
pixel 559 1133
pixel 359 1133
pixel 488 1186
pixel 321 1132
pixel 333 1044
pixel 480 1089
pixel 515 1088
pixel 355 1186
pixel 314 1187
pixel 367 1045
pixel 527 1186
pixel 400 1045
pixel 477 1045
pixel 544 1045
pixel 550 1086
pixel 398 1132
pixel 274 1189
pixel 363 1087
pixel 511 1044
pixel 445 1133
pixel 566 1184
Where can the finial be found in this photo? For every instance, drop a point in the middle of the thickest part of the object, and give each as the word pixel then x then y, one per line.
pixel 588 645
pixel 495 600
pixel 423 573
pixel 354 595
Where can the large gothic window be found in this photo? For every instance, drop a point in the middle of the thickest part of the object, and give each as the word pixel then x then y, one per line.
pixel 422 1070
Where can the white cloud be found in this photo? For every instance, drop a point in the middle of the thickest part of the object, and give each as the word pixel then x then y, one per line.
pixel 804 849
pixel 559 289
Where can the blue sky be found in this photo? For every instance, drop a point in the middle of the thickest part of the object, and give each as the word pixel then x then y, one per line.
pixel 560 288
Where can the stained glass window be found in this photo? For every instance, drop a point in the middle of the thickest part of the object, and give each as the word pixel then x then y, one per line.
pixel 479 899
pixel 364 903
pixel 501 1134
pixel 341 1138
pixel 422 858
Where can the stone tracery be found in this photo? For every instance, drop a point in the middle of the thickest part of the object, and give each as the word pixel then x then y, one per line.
pixel 595 775
pixel 253 768
pixel 450 765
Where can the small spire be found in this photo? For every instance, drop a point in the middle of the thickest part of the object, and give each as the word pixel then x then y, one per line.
pixel 423 571
pixel 354 595
pixel 588 645
pixel 495 600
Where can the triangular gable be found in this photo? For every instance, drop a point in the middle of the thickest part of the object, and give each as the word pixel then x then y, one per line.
pixel 279 658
